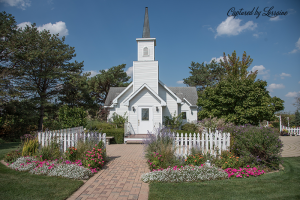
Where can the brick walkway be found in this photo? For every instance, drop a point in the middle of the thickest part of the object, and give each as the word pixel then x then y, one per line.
pixel 120 178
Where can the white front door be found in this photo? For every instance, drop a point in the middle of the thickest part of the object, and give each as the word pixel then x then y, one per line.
pixel 145 120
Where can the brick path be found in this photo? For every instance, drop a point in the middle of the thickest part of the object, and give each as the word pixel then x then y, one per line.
pixel 291 146
pixel 120 178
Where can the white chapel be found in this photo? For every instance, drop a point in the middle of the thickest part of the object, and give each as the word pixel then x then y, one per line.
pixel 147 99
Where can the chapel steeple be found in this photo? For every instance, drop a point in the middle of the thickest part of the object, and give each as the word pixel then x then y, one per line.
pixel 146 28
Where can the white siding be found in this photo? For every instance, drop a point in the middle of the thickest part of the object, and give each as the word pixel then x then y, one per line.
pixel 111 112
pixel 171 107
pixel 151 48
pixel 120 108
pixel 144 98
pixel 191 113
pixel 145 72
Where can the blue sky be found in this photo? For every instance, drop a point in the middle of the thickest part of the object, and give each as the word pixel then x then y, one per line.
pixel 103 33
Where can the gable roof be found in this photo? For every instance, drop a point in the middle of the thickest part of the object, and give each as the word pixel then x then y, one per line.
pixel 188 94
pixel 126 101
pixel 112 94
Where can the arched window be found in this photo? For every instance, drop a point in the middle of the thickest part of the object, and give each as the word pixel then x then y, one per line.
pixel 145 51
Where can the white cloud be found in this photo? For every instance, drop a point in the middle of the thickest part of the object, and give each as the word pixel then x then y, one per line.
pixel 23 25
pixel 93 73
pixel 218 59
pixel 297 47
pixel 179 82
pixel 59 27
pixel 283 75
pixel 275 86
pixel 277 18
pixel 129 71
pixel 261 71
pixel 231 26
pixel 292 94
pixel 18 3
pixel 256 35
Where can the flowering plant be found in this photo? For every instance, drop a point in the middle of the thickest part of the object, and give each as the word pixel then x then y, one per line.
pixel 195 160
pixel 244 172
pixel 228 160
pixel 71 153
pixel 94 158
pixel 12 156
pixel 155 161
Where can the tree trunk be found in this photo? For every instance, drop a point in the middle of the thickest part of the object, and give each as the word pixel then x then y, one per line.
pixel 42 109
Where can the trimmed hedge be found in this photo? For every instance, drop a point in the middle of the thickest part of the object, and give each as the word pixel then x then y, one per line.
pixel 117 133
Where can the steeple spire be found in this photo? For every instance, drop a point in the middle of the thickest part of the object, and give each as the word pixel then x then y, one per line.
pixel 146 29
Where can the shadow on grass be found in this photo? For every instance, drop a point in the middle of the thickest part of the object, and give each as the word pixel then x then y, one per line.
pixel 280 185
pixel 23 185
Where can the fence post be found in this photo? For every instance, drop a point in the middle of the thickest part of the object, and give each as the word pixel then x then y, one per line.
pixel 104 140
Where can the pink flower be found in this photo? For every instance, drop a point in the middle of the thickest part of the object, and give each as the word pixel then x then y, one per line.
pixel 89 164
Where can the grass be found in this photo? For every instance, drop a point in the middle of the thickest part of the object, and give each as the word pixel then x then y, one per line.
pixel 22 185
pixel 281 185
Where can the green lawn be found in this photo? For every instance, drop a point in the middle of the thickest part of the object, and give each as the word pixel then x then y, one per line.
pixel 22 185
pixel 281 185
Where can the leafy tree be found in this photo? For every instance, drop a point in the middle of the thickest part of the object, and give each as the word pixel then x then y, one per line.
pixel 238 98
pixel 296 121
pixel 42 62
pixel 101 83
pixel 239 101
pixel 119 120
pixel 203 76
pixel 8 27
pixel 19 118
pixel 297 103
pixel 72 117
pixel 76 92
pixel 236 68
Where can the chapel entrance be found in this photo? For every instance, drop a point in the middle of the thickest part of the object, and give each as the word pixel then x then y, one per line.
pixel 145 119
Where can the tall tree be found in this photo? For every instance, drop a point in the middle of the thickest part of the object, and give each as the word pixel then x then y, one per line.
pixel 43 63
pixel 101 83
pixel 75 92
pixel 204 75
pixel 238 98
pixel 8 27
pixel 236 68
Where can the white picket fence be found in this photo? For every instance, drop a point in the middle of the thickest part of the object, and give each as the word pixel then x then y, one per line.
pixel 292 131
pixel 209 141
pixel 69 137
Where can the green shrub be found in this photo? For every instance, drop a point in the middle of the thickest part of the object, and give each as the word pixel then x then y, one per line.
pixel 84 145
pixel 72 117
pixel 196 160
pixel 190 127
pixel 118 135
pixel 12 156
pixel 173 122
pixel 30 147
pixel 71 154
pixel 257 146
pixel 228 160
pixel 162 147
pixel 2 141
pixel 95 157
pixel 99 125
pixel 276 124
pixel 119 120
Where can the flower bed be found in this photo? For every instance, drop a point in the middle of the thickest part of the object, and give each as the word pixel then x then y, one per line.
pixel 63 168
pixel 184 174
